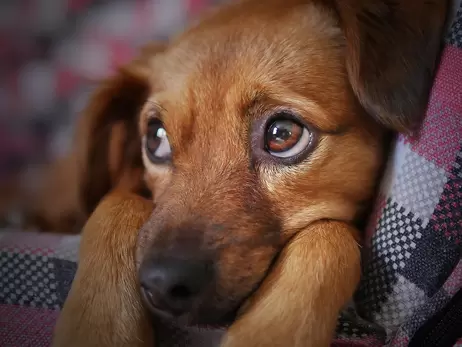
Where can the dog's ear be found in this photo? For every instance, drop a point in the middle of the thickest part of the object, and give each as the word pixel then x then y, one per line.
pixel 392 50
pixel 108 143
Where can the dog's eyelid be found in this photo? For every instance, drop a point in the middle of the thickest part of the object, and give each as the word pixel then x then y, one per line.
pixel 309 112
pixel 274 113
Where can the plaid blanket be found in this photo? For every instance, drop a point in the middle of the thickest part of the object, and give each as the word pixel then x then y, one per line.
pixel 36 272
pixel 411 287
pixel 412 257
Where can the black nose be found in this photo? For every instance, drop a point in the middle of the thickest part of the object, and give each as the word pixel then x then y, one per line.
pixel 173 284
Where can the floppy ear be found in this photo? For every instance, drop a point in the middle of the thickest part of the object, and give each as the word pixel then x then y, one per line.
pixel 108 143
pixel 392 50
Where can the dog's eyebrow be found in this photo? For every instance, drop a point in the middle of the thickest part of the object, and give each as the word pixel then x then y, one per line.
pixel 154 104
pixel 268 101
pixel 255 99
pixel 251 101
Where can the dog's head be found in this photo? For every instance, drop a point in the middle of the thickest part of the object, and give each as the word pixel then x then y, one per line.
pixel 258 121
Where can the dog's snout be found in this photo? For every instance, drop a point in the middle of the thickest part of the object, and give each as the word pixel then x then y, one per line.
pixel 172 284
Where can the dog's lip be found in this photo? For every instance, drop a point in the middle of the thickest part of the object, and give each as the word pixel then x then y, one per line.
pixel 177 319
pixel 155 307
pixel 157 310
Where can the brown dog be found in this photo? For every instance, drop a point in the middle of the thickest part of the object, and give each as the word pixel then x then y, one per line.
pixel 262 133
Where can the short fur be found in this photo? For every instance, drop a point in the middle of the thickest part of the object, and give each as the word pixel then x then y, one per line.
pixel 354 70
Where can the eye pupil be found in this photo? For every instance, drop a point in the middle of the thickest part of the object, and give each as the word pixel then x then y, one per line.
pixel 280 133
pixel 152 143
pixel 283 135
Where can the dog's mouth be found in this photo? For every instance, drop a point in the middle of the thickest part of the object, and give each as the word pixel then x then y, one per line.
pixel 206 288
pixel 211 314
pixel 208 318
pixel 215 306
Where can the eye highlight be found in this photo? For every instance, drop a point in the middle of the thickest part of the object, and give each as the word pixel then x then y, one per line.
pixel 156 142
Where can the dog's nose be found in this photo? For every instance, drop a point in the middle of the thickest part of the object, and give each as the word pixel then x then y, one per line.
pixel 172 284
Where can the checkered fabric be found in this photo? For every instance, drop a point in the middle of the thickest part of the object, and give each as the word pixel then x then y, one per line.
pixel 36 272
pixel 412 257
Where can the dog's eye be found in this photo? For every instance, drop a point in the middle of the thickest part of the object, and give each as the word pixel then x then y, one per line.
pixel 287 138
pixel 157 146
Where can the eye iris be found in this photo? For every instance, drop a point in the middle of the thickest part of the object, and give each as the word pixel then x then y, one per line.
pixel 157 145
pixel 283 135
pixel 153 140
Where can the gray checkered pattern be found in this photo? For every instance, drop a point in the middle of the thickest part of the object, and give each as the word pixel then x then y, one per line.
pixel 395 239
pixel 27 279
pixel 395 236
pixel 68 249
pixel 419 185
pixel 401 303
pixel 423 312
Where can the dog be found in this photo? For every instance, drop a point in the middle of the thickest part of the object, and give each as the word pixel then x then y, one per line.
pixel 226 171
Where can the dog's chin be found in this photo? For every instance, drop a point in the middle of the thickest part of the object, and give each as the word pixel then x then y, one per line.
pixel 201 320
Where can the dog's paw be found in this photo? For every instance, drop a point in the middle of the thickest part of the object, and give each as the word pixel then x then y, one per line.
pixel 245 335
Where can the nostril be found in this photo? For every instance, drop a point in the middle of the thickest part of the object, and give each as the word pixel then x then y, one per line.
pixel 174 285
pixel 180 292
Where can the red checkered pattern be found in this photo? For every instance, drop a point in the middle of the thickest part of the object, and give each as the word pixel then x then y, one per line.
pixel 26 326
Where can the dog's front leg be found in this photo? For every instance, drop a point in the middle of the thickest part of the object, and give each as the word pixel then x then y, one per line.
pixel 103 308
pixel 299 302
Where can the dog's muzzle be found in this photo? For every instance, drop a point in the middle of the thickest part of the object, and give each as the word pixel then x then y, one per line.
pixel 173 284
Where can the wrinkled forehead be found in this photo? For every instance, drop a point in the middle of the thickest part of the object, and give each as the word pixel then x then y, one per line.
pixel 210 76
pixel 293 48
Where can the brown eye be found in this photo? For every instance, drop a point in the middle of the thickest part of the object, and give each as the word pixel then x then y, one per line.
pixel 287 138
pixel 156 142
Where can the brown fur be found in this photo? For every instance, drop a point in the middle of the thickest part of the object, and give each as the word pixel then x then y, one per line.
pixel 106 151
pixel 91 320
pixel 270 229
